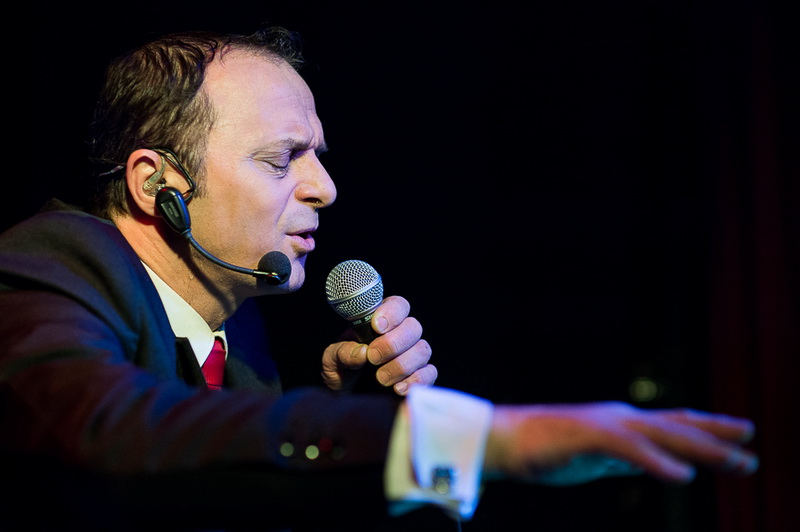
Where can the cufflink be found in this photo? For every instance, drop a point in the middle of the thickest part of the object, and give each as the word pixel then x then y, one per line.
pixel 444 479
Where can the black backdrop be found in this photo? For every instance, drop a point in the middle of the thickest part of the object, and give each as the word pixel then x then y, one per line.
pixel 542 182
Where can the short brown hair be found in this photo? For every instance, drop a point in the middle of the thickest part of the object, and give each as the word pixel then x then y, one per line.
pixel 151 98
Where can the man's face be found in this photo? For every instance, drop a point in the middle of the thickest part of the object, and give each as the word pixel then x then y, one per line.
pixel 263 181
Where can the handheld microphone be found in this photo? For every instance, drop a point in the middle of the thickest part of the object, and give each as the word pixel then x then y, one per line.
pixel 354 290
pixel 274 267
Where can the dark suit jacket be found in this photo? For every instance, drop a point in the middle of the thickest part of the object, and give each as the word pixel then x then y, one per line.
pixel 103 418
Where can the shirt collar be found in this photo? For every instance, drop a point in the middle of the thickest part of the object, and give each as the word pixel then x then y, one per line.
pixel 185 321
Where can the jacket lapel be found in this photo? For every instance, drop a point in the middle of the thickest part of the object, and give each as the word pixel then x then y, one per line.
pixel 186 364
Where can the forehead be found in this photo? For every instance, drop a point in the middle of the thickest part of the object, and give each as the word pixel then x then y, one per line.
pixel 259 97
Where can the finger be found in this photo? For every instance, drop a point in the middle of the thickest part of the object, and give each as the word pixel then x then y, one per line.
pixel 653 459
pixel 697 445
pixel 339 356
pixel 402 366
pixel 424 376
pixel 398 340
pixel 721 425
pixel 351 355
pixel 390 313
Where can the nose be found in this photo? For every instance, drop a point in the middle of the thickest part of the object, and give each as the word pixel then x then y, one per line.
pixel 316 187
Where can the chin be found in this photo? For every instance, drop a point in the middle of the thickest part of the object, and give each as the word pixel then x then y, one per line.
pixel 293 284
pixel 295 281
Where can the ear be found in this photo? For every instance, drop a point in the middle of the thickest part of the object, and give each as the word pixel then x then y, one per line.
pixel 142 176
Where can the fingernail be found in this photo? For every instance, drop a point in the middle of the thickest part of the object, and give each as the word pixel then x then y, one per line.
pixel 358 352
pixel 374 355
pixel 741 462
pixel 750 465
pixel 383 376
pixel 683 472
pixel 381 324
pixel 401 388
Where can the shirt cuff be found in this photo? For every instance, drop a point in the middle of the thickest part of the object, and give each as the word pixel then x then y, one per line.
pixel 436 451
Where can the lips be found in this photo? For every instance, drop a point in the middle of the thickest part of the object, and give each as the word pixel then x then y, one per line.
pixel 303 240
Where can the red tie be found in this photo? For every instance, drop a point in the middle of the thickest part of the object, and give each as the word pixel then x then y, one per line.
pixel 214 366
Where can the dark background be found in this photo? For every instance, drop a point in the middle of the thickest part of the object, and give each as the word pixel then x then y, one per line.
pixel 572 195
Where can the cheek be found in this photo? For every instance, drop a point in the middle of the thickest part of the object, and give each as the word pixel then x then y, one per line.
pixel 263 219
pixel 259 227
pixel 251 209
pixel 256 200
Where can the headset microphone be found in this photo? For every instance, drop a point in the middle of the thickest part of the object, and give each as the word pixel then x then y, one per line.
pixel 274 267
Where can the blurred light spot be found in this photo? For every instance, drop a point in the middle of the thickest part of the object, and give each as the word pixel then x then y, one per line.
pixel 644 389
pixel 337 453
pixel 312 452
pixel 287 449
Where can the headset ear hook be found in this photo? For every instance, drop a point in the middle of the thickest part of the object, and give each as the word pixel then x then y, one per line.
pixel 156 182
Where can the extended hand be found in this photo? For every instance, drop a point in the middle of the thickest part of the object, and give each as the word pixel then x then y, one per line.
pixel 576 443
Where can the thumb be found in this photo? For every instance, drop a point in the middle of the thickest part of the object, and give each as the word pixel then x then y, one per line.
pixel 339 358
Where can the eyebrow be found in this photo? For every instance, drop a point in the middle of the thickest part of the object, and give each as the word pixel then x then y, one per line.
pixel 294 144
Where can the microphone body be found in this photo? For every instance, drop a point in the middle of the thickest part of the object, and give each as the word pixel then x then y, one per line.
pixel 354 290
pixel 274 267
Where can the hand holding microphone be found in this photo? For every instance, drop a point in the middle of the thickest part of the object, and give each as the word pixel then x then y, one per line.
pixel 387 336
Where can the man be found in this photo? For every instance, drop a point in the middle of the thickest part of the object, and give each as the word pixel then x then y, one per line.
pixel 109 321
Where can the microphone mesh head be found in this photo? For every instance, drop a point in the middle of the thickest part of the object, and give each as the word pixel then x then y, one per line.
pixel 354 289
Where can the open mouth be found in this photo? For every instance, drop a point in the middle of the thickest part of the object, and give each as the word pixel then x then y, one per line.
pixel 304 240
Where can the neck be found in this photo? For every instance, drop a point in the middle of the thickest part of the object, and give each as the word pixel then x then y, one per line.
pixel 205 286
